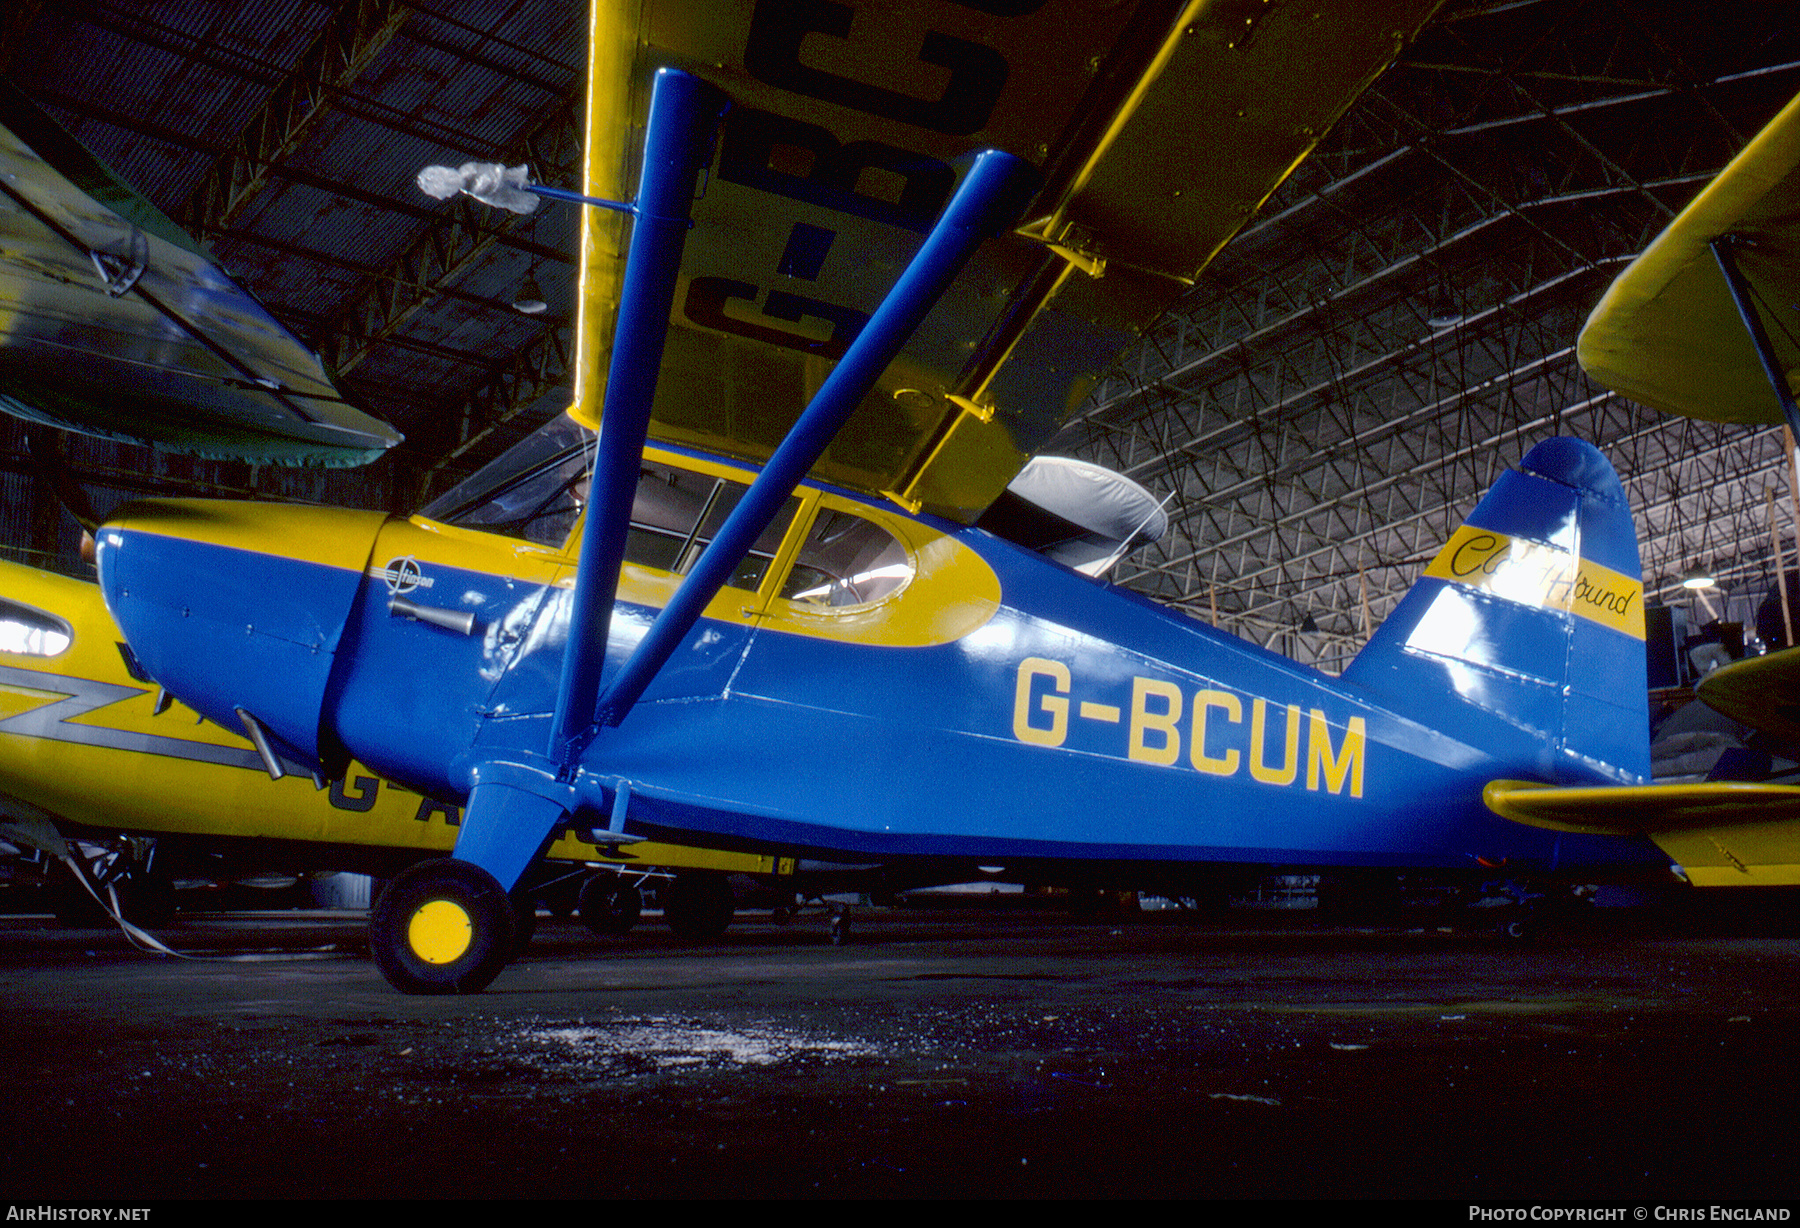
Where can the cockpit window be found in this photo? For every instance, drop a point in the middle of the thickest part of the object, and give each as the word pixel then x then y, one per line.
pixel 541 507
pixel 847 561
pixel 538 488
pixel 32 632
pixel 678 511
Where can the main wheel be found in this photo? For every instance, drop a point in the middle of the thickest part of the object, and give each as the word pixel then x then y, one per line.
pixel 442 926
pixel 698 905
pixel 609 905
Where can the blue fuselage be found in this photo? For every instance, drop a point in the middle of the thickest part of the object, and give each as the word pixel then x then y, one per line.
pixel 1055 718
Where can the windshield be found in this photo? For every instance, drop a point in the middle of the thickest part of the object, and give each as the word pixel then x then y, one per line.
pixel 537 489
pixel 518 493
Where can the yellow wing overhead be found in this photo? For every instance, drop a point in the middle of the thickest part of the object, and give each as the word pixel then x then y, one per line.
pixel 1159 127
pixel 1721 833
pixel 1667 334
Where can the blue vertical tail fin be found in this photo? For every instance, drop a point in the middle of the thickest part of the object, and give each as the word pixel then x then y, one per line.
pixel 1525 636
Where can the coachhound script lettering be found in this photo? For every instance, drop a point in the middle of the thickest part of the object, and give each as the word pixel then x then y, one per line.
pixel 1543 576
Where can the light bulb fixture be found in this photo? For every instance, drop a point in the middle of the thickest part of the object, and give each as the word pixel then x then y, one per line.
pixel 1697 577
pixel 530 300
pixel 1442 312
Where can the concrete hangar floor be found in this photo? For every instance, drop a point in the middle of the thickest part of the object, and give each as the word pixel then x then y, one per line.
pixel 995 1054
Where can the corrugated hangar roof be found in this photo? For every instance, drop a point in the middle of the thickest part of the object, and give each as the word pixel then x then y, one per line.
pixel 1395 326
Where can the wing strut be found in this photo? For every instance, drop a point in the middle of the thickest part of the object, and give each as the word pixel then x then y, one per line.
pixel 518 798
pixel 987 202
pixel 684 113
pixel 1759 336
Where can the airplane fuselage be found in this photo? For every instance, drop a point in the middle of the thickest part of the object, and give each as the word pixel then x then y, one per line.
pixel 990 706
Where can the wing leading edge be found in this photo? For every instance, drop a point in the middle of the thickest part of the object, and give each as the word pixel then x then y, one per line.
pixel 1159 127
pixel 113 322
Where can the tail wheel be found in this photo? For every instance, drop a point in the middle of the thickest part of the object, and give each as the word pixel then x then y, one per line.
pixel 609 905
pixel 442 927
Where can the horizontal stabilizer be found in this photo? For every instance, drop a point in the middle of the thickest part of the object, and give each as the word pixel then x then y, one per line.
pixel 1721 833
pixel 1641 810
pixel 115 323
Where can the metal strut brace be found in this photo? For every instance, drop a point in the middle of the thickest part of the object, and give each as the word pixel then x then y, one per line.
pixel 518 800
pixel 987 202
pixel 684 114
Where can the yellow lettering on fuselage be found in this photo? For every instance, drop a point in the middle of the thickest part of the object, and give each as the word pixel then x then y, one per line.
pixel 1026 709
pixel 1155 738
pixel 1043 702
pixel 1220 765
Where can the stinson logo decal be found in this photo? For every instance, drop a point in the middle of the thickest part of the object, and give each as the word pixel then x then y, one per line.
pixel 402 574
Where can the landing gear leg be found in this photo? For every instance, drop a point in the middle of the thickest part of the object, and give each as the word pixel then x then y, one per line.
pixel 442 927
pixel 121 873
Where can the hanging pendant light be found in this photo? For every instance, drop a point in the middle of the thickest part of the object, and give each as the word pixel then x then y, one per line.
pixel 1697 577
pixel 530 300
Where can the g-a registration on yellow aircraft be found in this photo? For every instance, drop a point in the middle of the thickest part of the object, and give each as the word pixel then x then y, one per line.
pixel 848 267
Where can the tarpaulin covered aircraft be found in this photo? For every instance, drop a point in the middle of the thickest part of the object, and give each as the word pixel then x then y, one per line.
pixel 1696 326
pixel 839 665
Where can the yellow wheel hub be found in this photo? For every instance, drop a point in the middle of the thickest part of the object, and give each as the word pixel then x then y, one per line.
pixel 440 932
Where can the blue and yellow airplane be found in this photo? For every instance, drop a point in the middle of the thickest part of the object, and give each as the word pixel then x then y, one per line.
pixel 876 254
pixel 93 753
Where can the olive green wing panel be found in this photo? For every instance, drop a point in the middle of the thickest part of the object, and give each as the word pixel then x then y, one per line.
pixel 115 323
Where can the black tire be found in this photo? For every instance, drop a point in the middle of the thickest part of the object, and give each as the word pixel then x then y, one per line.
pixel 609 905
pixel 698 906
pixel 421 947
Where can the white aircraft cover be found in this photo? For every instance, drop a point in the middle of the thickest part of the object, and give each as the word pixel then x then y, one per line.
pixel 1117 513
